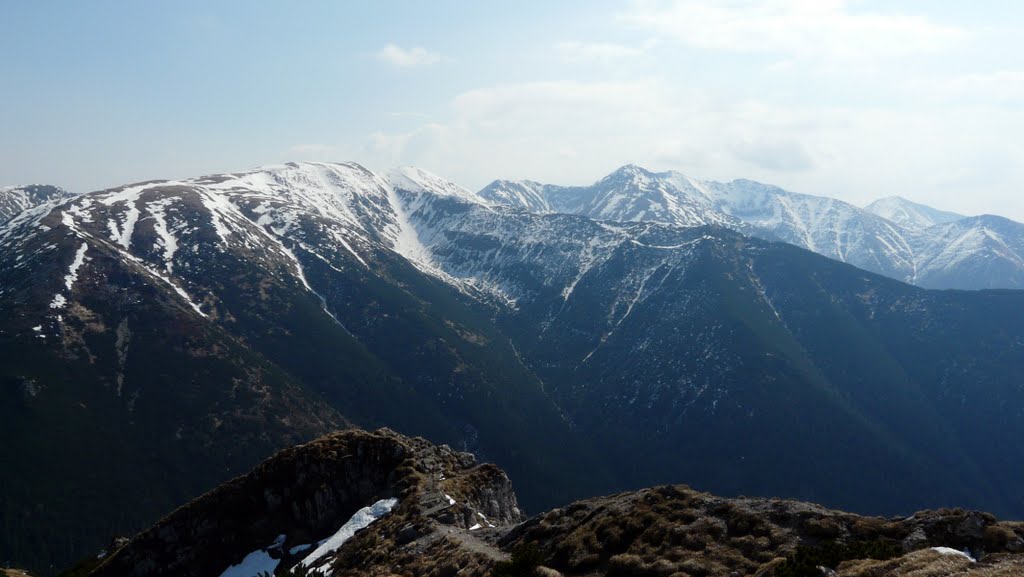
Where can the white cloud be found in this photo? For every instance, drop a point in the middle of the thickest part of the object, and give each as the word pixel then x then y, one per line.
pixel 407 57
pixel 828 30
pixel 571 51
pixel 773 154
pixel 1000 86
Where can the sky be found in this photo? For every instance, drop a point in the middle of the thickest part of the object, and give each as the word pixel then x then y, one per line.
pixel 853 99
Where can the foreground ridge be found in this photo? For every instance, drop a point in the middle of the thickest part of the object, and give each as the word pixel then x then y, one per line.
pixel 428 510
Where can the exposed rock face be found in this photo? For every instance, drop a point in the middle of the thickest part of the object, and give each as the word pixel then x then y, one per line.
pixel 455 517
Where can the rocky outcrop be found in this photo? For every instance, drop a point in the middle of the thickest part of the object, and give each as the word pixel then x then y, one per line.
pixel 304 494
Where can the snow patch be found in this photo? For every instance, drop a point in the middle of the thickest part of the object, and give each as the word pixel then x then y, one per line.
pixel 955 552
pixel 360 520
pixel 255 563
pixel 165 237
pixel 72 276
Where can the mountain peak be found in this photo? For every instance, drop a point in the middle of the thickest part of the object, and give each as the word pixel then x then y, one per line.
pixel 910 214
pixel 630 171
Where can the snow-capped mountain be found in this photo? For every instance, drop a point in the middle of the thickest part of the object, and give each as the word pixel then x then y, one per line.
pixel 629 194
pixel 15 199
pixel 978 252
pixel 910 215
pixel 207 321
pixel 893 237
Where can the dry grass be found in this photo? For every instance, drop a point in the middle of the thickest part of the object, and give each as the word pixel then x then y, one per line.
pixel 928 563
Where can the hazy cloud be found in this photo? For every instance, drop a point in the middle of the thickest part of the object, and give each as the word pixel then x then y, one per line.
pixel 407 57
pixel 782 155
pixel 1002 86
pixel 530 129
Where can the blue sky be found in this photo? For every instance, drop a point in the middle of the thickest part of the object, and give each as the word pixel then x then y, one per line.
pixel 852 99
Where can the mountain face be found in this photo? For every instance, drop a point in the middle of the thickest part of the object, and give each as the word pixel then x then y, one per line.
pixel 378 503
pixel 16 199
pixel 910 215
pixel 198 325
pixel 893 237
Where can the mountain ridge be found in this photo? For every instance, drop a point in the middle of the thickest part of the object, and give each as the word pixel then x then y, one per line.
pixel 902 248
pixel 432 511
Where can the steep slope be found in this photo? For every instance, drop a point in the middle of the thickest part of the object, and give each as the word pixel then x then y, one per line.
pixel 526 194
pixel 826 226
pixel 15 199
pixel 910 215
pixel 213 320
pixel 427 510
pixel 906 247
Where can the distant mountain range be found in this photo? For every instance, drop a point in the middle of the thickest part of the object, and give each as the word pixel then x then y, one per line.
pixel 161 337
pixel 893 237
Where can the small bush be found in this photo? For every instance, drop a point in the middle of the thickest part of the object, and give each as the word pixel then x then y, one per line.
pixel 627 566
pixel 525 558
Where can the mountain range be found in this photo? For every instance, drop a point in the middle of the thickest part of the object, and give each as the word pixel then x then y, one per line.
pixel 585 339
pixel 893 237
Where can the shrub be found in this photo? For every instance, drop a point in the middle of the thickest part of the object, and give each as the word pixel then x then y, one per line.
pixel 525 558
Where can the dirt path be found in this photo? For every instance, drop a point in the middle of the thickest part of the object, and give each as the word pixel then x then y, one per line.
pixel 473 543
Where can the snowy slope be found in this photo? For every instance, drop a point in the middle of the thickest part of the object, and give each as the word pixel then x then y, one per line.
pixel 529 195
pixel 15 199
pixel 910 215
pixel 980 252
pixel 275 218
